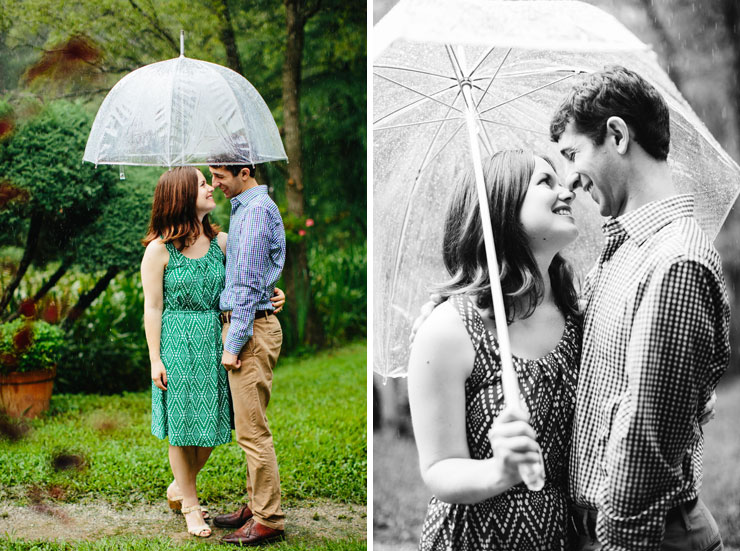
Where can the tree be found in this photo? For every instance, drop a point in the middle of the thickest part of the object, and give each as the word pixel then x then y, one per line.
pixel 58 195
pixel 297 275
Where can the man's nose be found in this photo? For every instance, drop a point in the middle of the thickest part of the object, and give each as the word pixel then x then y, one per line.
pixel 566 194
pixel 572 182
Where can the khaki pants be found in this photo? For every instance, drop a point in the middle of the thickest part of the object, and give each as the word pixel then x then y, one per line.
pixel 251 385
pixel 693 529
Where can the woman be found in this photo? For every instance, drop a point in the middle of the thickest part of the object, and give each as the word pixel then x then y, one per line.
pixel 182 274
pixel 455 370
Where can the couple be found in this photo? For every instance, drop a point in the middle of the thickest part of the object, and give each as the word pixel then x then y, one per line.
pixel 195 280
pixel 615 383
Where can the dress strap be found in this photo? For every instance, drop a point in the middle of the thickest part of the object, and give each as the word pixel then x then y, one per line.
pixel 470 318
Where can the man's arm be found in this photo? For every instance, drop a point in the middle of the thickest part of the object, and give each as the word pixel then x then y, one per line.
pixel 678 350
pixel 251 264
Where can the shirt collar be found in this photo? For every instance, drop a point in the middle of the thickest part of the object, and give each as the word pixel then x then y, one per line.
pixel 248 195
pixel 641 223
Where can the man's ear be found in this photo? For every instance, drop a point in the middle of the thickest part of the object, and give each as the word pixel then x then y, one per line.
pixel 618 132
pixel 248 173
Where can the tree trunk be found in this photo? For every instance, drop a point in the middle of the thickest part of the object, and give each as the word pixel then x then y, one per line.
pixel 227 36
pixel 32 241
pixel 46 287
pixel 87 299
pixel 731 16
pixel 670 48
pixel 296 274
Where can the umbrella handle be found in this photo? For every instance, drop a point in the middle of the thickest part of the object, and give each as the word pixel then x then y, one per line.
pixel 533 474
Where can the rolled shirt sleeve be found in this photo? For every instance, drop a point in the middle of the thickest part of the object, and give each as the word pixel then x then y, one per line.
pixel 677 351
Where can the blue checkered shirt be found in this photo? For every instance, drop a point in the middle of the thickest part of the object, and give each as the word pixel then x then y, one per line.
pixel 655 343
pixel 255 254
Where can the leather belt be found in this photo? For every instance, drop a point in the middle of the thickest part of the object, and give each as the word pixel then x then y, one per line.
pixel 225 317
pixel 583 519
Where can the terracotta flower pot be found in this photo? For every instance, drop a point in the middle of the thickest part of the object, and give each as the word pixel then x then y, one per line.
pixel 26 394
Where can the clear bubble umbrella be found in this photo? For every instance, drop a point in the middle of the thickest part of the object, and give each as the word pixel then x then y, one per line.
pixel 457 79
pixel 183 112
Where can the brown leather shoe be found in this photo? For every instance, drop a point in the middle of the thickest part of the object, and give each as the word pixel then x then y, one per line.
pixel 234 520
pixel 254 533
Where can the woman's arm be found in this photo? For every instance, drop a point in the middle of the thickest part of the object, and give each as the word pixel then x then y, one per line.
pixel 441 361
pixel 152 280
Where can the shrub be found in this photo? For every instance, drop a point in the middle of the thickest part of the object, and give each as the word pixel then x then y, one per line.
pixel 27 345
pixel 106 351
pixel 339 286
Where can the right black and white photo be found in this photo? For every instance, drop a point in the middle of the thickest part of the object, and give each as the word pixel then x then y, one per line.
pixel 556 255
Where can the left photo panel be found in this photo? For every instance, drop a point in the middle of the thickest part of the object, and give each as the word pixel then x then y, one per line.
pixel 183 275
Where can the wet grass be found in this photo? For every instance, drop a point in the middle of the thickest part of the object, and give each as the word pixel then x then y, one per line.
pixel 101 446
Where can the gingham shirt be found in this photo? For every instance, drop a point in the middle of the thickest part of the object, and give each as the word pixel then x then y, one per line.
pixel 655 343
pixel 255 254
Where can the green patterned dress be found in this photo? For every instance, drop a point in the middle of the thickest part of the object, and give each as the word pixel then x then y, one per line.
pixel 194 410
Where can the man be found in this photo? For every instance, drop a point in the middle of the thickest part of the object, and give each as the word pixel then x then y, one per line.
pixel 255 254
pixel 656 327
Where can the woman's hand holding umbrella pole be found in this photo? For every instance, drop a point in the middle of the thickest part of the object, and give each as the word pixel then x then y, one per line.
pixel 515 449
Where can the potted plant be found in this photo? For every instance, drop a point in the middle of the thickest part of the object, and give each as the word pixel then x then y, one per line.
pixel 28 355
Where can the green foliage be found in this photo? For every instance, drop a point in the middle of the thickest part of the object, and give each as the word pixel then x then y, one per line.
pixel 43 159
pixel 27 345
pixel 317 416
pixel 44 156
pixel 114 237
pixel 339 290
pixel 106 349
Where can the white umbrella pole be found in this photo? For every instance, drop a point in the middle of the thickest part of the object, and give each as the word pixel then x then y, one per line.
pixel 534 476
pixel 508 376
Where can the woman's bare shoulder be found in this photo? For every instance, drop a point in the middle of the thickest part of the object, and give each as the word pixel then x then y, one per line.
pixel 442 338
pixel 222 238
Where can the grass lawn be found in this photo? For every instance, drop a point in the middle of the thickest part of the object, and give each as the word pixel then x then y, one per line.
pixel 400 498
pixel 99 448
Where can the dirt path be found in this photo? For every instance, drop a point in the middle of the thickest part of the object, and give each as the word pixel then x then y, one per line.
pixel 95 519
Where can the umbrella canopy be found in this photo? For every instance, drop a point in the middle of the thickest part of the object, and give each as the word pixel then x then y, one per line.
pixel 517 61
pixel 183 112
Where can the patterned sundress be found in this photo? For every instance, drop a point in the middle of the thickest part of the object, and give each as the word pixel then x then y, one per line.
pixel 518 519
pixel 194 410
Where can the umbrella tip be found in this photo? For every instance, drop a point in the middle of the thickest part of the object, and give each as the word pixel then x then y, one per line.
pixel 182 43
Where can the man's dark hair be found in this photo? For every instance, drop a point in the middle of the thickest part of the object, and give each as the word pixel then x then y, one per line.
pixel 234 169
pixel 616 91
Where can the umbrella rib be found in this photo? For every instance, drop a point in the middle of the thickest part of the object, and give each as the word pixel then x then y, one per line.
pixel 526 94
pixel 423 165
pixel 495 74
pixel 544 71
pixel 481 60
pixel 416 91
pixel 436 135
pixel 410 70
pixel 455 64
pixel 512 126
pixel 419 123
pixel 443 146
pixel 409 105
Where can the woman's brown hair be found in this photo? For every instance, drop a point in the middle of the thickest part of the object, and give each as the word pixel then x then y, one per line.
pixel 506 176
pixel 174 217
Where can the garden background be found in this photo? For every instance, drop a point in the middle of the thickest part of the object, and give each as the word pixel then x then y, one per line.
pixel 698 44
pixel 70 252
